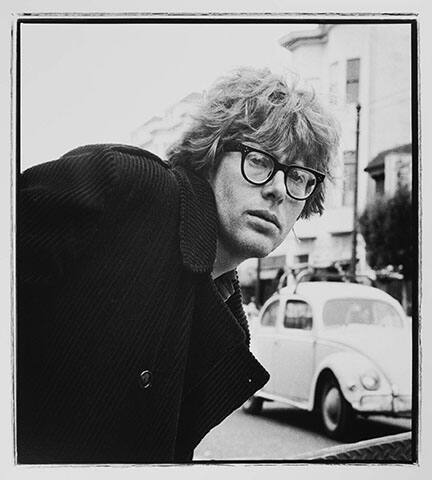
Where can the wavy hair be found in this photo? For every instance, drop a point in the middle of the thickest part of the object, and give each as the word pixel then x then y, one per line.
pixel 256 105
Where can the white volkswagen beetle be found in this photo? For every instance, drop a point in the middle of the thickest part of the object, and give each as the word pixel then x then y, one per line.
pixel 334 348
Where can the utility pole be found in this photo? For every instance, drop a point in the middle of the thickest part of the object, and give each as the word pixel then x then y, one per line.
pixel 355 206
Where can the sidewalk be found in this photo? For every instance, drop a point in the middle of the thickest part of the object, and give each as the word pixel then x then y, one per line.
pixel 391 449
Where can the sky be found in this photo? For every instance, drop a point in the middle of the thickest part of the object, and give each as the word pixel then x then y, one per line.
pixel 94 83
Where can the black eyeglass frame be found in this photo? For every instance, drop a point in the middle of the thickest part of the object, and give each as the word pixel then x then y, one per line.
pixel 234 146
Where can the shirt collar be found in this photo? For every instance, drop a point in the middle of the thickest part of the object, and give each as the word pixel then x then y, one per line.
pixel 226 284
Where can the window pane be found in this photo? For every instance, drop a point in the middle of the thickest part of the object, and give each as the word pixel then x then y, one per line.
pixel 379 186
pixel 304 258
pixel 352 92
pixel 360 311
pixel 353 69
pixel 270 315
pixel 352 80
pixel 348 178
pixel 298 315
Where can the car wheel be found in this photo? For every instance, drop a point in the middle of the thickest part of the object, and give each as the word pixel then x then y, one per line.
pixel 336 414
pixel 253 405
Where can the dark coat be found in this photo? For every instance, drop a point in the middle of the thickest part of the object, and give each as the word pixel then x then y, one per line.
pixel 126 352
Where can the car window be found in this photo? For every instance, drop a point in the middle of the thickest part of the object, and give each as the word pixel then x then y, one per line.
pixel 298 314
pixel 269 316
pixel 360 311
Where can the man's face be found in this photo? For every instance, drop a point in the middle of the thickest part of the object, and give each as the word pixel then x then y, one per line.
pixel 253 220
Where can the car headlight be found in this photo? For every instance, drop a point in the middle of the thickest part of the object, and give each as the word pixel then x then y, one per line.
pixel 370 380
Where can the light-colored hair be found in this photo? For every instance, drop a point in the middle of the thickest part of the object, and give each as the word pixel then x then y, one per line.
pixel 256 105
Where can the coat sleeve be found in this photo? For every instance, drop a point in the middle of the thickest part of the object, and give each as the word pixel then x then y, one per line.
pixel 61 204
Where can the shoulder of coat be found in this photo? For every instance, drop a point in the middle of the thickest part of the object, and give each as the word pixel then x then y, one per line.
pixel 139 152
pixel 113 148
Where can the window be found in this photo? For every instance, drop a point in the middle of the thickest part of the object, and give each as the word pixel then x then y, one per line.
pixel 379 185
pixel 352 80
pixel 305 247
pixel 333 86
pixel 355 312
pixel 348 178
pixel 304 258
pixel 298 315
pixel 270 315
pixel 341 246
pixel 404 172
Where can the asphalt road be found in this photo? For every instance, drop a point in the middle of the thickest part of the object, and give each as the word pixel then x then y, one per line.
pixel 281 433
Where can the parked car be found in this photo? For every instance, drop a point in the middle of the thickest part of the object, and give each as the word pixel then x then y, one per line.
pixel 337 349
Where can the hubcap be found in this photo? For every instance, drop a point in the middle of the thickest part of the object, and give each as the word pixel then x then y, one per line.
pixel 332 408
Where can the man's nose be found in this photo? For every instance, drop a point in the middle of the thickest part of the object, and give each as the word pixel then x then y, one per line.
pixel 275 189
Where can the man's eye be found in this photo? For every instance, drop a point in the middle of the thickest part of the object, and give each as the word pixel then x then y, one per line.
pixel 297 176
pixel 258 161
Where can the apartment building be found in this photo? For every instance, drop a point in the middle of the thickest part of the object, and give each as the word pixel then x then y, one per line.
pixel 349 65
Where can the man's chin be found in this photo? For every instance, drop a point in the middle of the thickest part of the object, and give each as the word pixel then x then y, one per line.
pixel 260 248
pixel 253 245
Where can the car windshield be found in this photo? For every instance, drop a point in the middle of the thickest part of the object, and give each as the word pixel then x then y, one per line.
pixel 360 311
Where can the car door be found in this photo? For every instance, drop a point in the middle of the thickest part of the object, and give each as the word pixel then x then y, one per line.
pixel 294 351
pixel 263 339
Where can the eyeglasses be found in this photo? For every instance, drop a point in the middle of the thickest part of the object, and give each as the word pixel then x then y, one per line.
pixel 259 167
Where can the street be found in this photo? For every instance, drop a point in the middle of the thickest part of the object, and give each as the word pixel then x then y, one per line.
pixel 281 433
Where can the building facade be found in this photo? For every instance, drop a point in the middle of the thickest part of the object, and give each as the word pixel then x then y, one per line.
pixel 390 170
pixel 346 65
pixel 349 65
pixel 160 132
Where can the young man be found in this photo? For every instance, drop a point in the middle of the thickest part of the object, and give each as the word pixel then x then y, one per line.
pixel 131 338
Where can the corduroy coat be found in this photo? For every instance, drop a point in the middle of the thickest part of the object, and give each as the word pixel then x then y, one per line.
pixel 126 352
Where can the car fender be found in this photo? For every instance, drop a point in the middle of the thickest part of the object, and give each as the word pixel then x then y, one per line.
pixel 347 366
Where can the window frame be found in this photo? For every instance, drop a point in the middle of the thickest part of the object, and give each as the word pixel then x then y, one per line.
pixel 286 328
pixel 276 302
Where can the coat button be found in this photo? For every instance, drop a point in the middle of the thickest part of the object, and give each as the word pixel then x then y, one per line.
pixel 145 379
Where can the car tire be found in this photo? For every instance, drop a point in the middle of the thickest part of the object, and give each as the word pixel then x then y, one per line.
pixel 335 413
pixel 253 405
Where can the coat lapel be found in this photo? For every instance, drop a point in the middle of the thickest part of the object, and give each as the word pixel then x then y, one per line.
pixel 223 373
pixel 198 222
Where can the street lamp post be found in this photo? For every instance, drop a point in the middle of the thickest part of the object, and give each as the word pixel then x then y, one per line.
pixel 355 209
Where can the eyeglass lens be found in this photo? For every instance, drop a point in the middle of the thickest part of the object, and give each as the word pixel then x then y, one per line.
pixel 259 167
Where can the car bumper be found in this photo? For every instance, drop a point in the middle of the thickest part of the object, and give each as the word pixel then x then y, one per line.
pixel 402 404
pixel 390 404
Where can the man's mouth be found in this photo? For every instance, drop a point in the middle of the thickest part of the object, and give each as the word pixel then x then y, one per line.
pixel 267 216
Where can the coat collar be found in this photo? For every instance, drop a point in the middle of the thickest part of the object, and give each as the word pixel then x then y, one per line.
pixel 198 221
